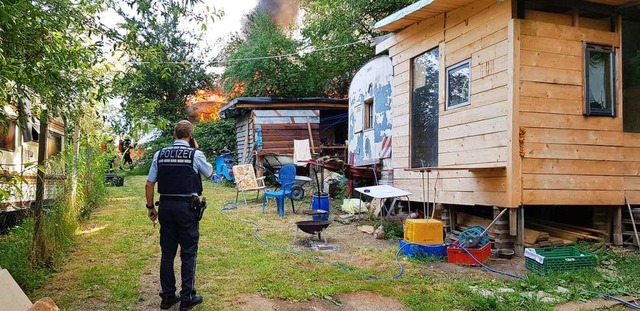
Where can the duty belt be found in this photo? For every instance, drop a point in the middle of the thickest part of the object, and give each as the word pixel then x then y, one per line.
pixel 176 198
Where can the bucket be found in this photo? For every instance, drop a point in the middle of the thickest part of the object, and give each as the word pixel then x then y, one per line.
pixel 320 201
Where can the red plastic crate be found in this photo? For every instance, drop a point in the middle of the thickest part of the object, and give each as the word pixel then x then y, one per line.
pixel 459 256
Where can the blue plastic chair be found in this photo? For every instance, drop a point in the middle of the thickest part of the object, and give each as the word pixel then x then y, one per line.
pixel 286 179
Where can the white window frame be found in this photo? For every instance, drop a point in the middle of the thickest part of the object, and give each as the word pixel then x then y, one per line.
pixel 466 62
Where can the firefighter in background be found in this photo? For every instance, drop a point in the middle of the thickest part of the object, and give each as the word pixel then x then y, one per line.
pixel 109 149
pixel 125 147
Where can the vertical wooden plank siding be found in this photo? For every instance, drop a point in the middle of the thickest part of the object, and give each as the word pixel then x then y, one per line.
pixel 514 170
pixel 478 134
pixel 569 158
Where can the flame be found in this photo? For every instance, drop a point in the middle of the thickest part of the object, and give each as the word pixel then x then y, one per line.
pixel 204 105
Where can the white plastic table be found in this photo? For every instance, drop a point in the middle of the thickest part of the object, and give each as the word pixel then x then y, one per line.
pixel 383 192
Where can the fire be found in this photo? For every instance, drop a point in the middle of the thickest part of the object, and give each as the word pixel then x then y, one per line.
pixel 204 105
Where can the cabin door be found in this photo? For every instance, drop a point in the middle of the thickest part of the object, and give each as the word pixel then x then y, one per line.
pixel 631 75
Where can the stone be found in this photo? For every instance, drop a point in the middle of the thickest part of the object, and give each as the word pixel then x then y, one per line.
pixel 562 290
pixel 44 304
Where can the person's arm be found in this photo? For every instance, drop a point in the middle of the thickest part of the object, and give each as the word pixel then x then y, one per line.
pixel 205 168
pixel 149 188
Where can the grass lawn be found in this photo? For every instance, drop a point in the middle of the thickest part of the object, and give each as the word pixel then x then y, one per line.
pixel 114 266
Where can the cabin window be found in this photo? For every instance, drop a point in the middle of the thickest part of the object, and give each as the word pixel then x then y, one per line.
pixel 458 84
pixel 600 80
pixel 54 144
pixel 368 113
pixel 425 73
pixel 8 135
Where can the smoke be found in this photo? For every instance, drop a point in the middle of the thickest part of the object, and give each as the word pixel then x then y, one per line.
pixel 283 12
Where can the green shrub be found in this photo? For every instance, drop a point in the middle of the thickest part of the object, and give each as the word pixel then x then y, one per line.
pixel 214 136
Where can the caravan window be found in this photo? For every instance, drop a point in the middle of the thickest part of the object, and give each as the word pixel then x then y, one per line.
pixel 8 135
pixel 600 80
pixel 368 113
pixel 425 72
pixel 54 144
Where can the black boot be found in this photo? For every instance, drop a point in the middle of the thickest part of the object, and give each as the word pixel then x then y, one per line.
pixel 169 301
pixel 188 304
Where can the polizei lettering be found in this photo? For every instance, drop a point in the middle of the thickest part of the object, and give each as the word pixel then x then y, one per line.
pixel 171 153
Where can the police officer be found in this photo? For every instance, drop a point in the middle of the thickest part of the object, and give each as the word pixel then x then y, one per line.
pixel 176 169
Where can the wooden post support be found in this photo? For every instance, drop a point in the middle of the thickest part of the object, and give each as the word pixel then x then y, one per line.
pixel 617 225
pixel 519 242
pixel 313 146
pixel 513 222
pixel 246 142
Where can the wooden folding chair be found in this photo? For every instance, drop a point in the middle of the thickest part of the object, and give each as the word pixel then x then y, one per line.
pixel 245 178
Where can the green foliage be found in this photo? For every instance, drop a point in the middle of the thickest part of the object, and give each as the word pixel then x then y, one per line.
pixel 277 77
pixel 330 23
pixel 80 194
pixel 49 52
pixel 163 69
pixel 214 136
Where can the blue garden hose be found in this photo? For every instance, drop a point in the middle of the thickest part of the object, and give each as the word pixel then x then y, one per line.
pixel 232 205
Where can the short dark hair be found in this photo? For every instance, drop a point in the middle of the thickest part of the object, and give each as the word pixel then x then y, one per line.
pixel 183 129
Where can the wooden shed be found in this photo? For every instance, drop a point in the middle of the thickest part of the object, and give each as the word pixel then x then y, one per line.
pixel 517 102
pixel 282 120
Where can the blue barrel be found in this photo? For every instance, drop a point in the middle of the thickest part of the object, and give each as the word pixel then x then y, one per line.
pixel 320 201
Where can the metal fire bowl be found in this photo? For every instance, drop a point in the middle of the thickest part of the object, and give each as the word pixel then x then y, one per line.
pixel 312 226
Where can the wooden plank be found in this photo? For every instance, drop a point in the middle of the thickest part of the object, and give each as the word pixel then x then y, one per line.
pixel 435 32
pixel 571 182
pixel 549 45
pixel 574 152
pixel 571 197
pixel 461 14
pixel 490 82
pixel 418 48
pixel 545 120
pixel 548 90
pixel 494 17
pixel 586 230
pixel 489 67
pixel 576 167
pixel 631 139
pixel 552 105
pixel 572 137
pixel 488 97
pixel 314 126
pixel 472 114
pixel 496 184
pixel 547 17
pixel 477 142
pixel 551 60
pixel 476 40
pixel 494 125
pixel 568 34
pixel 551 75
pixel 487 155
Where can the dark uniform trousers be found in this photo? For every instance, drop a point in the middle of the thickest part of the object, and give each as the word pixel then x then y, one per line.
pixel 178 226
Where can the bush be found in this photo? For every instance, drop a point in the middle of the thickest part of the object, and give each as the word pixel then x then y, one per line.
pixel 214 136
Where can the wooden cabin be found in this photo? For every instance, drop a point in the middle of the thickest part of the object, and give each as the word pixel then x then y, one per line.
pixel 370 114
pixel 517 103
pixel 282 120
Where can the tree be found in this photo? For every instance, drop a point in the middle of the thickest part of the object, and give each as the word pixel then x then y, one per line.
pixel 330 23
pixel 48 60
pixel 162 67
pixel 250 72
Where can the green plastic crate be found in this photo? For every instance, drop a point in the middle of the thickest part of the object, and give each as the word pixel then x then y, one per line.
pixel 557 259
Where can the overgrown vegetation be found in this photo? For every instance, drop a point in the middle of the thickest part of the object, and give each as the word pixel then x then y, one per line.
pixel 214 136
pixel 79 194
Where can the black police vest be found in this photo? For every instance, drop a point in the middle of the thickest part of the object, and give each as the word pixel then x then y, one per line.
pixel 175 171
